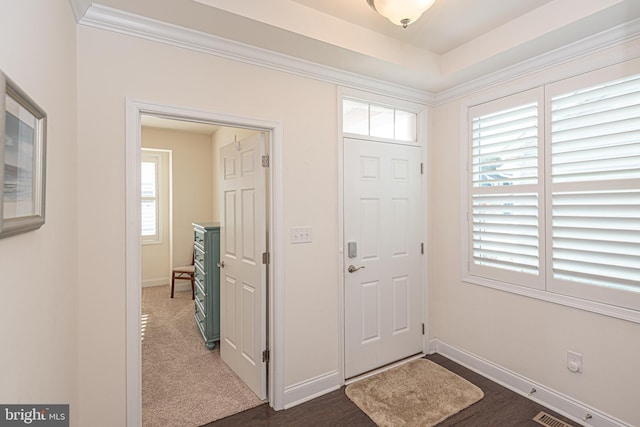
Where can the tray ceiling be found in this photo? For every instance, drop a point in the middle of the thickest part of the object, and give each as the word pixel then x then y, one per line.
pixel 454 42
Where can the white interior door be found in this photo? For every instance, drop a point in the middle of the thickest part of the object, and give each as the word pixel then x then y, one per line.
pixel 382 221
pixel 243 275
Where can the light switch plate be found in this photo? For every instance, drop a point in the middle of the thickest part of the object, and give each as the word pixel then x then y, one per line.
pixel 300 235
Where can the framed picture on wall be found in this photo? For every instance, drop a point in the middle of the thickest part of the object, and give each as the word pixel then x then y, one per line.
pixel 23 129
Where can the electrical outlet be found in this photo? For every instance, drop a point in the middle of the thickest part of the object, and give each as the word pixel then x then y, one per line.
pixel 300 235
pixel 574 362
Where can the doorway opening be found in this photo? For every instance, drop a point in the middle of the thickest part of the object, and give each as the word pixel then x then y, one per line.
pixel 271 218
pixel 382 185
pixel 181 377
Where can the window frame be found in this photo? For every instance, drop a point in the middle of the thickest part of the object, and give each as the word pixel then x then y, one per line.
pixel 596 299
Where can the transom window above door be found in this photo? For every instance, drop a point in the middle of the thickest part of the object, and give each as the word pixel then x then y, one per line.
pixel 378 121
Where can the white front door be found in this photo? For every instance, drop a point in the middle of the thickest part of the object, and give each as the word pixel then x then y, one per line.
pixel 243 274
pixel 382 232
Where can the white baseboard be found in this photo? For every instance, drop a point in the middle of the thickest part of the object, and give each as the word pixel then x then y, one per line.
pixel 554 400
pixel 159 282
pixel 432 346
pixel 310 389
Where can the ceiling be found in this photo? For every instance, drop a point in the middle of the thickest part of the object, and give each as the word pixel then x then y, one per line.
pixel 447 25
pixel 454 42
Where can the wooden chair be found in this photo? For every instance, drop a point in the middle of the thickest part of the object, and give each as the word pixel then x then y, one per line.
pixel 186 272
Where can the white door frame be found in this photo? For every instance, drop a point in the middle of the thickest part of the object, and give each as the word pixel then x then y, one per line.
pixel 422 121
pixel 135 108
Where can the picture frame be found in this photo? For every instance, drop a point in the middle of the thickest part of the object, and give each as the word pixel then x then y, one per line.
pixel 23 130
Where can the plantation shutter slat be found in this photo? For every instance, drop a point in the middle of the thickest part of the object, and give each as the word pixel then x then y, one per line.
pixel 620 139
pixel 148 195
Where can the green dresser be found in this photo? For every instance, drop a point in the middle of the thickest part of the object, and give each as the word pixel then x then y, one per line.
pixel 206 255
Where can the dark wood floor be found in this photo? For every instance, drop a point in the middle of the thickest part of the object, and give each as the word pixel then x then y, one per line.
pixel 500 407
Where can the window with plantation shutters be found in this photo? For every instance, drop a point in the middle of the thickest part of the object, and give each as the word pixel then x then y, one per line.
pixel 150 171
pixel 505 189
pixel 594 190
pixel 553 192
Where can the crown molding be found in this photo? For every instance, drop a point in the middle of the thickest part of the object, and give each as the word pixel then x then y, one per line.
pixel 79 8
pixel 110 19
pixel 608 39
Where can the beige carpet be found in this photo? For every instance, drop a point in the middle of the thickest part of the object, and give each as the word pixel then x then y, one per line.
pixel 183 383
pixel 418 393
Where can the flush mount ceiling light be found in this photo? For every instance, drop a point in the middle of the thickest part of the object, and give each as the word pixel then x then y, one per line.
pixel 401 12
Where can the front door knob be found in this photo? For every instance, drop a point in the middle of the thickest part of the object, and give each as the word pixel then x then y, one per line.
pixel 352 268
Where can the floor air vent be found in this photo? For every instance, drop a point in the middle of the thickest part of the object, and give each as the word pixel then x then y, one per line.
pixel 549 421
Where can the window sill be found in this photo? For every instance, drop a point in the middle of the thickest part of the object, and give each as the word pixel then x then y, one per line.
pixel 586 305
pixel 151 242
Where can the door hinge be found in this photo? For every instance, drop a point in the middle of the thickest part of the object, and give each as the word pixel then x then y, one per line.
pixel 266 259
pixel 423 329
pixel 422 248
pixel 265 161
pixel 421 168
pixel 265 356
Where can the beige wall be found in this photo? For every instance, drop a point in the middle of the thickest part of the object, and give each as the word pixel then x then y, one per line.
pixel 193 195
pixel 527 336
pixel 113 67
pixel 38 270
